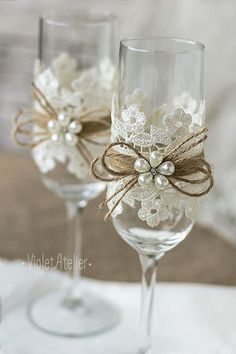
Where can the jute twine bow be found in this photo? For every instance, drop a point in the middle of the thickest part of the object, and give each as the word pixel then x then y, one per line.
pixel 95 122
pixel 189 170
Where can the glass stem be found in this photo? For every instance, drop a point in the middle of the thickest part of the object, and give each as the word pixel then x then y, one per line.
pixel 74 239
pixel 149 268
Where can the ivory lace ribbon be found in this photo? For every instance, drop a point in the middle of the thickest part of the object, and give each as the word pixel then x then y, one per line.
pixel 189 170
pixel 95 122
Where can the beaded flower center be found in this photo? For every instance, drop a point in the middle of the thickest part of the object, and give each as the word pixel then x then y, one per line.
pixel 64 129
pixel 154 170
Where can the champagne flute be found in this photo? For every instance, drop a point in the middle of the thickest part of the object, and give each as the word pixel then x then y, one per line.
pixel 74 75
pixel 159 101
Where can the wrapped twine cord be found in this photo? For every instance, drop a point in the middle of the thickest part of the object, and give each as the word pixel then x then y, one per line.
pixel 190 170
pixel 96 122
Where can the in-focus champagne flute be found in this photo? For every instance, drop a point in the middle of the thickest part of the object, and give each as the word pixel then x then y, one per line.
pixel 158 103
pixel 73 81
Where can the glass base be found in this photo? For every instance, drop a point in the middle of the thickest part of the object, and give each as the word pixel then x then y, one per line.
pixel 88 316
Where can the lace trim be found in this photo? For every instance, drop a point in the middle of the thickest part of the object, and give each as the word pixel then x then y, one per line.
pixel 64 86
pixel 154 131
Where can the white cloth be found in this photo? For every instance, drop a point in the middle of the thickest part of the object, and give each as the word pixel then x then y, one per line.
pixel 189 319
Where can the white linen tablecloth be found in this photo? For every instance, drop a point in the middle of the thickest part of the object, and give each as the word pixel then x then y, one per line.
pixel 199 319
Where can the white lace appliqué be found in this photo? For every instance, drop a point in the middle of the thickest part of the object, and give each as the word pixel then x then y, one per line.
pixel 153 131
pixel 64 86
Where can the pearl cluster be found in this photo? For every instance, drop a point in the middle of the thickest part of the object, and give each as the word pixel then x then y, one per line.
pixel 64 129
pixel 154 169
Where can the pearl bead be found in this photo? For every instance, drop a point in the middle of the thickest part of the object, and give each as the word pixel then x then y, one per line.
pixel 56 138
pixel 166 168
pixel 145 179
pixel 75 127
pixel 71 139
pixel 53 126
pixel 155 159
pixel 161 182
pixel 64 119
pixel 141 165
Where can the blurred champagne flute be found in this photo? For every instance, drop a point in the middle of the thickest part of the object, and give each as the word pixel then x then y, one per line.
pixel 73 86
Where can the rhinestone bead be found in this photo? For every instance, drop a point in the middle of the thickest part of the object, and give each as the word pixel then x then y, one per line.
pixel 153 171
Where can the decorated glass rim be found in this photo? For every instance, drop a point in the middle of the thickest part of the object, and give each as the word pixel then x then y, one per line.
pixel 64 17
pixel 172 45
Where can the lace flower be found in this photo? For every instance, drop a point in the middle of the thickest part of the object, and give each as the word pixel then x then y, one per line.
pixel 133 118
pixel 64 68
pixel 186 102
pixel 153 211
pixel 189 105
pixel 72 98
pixel 93 94
pixel 138 98
pixel 107 73
pixel 178 123
pixel 47 82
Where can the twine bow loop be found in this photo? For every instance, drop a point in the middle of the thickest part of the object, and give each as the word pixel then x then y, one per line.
pixel 179 167
pixel 34 126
